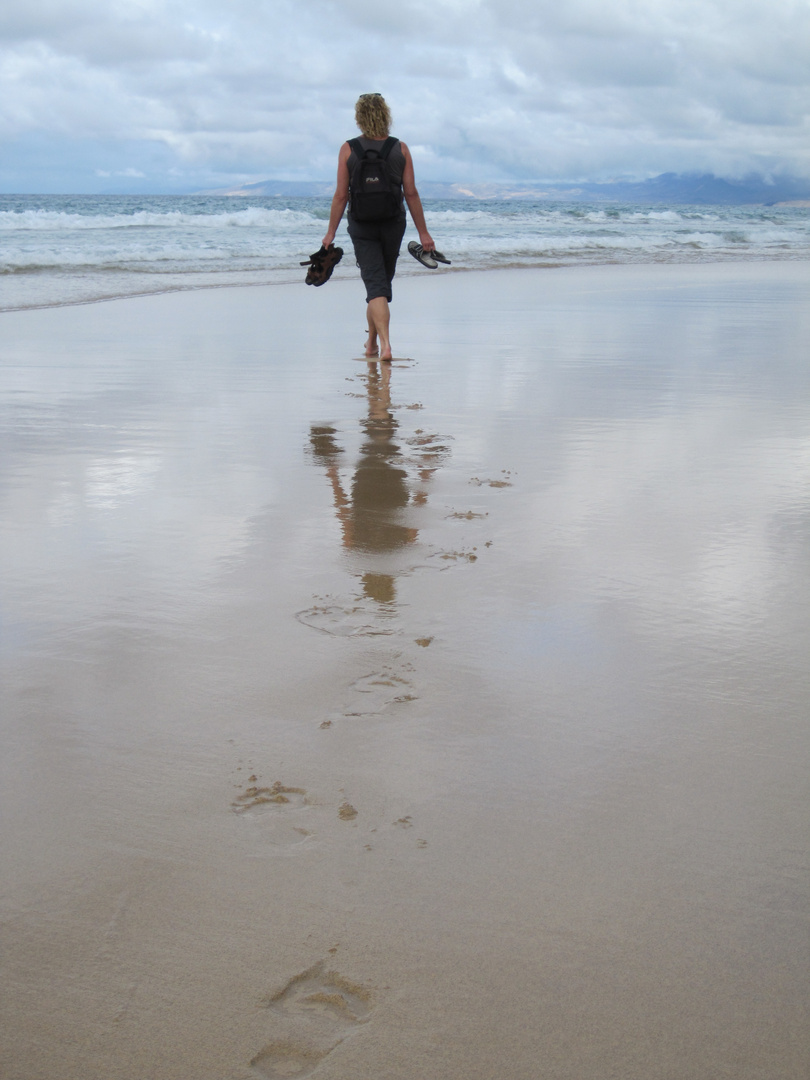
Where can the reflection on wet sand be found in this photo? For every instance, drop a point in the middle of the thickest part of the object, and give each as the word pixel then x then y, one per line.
pixel 532 793
pixel 381 488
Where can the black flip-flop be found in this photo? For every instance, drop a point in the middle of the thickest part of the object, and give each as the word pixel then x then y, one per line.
pixel 321 264
pixel 422 256
pixel 437 255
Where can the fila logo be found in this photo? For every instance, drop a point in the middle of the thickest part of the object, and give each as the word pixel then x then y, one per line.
pixel 372 179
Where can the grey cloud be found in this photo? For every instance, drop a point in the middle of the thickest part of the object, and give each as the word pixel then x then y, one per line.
pixel 524 88
pixel 43 20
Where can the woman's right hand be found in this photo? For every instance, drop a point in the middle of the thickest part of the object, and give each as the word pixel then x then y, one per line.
pixel 426 240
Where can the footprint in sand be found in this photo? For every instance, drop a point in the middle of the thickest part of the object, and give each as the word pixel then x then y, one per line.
pixel 277 802
pixel 318 992
pixel 288 1059
pixel 379 689
pixel 314 1013
pixel 277 795
pixel 430 448
pixel 357 619
pixel 456 556
pixel 439 561
pixel 503 482
pixel 470 515
pixel 422 440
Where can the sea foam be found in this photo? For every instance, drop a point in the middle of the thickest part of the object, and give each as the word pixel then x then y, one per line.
pixel 66 249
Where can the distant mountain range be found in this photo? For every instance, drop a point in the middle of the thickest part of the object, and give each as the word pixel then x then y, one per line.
pixel 668 188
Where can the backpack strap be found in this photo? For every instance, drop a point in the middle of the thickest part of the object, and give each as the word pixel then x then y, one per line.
pixel 382 153
pixel 387 147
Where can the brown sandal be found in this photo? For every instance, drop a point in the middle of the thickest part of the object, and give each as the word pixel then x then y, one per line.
pixel 321 264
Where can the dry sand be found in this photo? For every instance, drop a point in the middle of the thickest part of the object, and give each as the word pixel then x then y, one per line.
pixel 446 726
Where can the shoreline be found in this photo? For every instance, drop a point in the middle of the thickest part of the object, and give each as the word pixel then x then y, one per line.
pixel 342 277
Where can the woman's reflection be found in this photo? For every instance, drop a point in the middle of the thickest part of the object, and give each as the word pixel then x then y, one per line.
pixel 380 488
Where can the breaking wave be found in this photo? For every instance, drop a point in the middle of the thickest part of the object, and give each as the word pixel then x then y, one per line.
pixel 67 249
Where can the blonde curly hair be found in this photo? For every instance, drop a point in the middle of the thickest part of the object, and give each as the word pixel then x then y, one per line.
pixel 373 116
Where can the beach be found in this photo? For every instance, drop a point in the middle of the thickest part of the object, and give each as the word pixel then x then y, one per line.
pixel 439 721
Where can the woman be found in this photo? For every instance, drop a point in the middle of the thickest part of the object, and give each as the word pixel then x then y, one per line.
pixel 376 243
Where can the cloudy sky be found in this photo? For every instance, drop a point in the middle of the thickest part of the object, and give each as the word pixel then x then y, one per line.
pixel 178 95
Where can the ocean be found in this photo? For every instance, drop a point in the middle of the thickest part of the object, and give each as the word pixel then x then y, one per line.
pixel 68 249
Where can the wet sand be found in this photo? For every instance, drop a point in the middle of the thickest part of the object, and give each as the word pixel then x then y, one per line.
pixel 443 722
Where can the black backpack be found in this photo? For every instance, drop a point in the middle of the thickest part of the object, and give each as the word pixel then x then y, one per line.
pixel 375 195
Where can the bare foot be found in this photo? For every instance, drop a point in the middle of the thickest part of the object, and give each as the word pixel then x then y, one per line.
pixel 386 354
pixel 371 346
